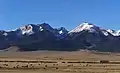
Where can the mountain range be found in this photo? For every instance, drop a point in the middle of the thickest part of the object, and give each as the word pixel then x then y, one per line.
pixel 33 37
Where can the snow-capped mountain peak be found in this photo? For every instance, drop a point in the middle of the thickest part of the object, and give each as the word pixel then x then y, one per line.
pixel 91 28
pixel 30 29
pixel 84 26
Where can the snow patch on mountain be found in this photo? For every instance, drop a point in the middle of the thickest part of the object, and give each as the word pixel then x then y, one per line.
pixel 105 32
pixel 27 29
pixel 113 32
pixel 118 33
pixel 41 29
pixel 5 33
pixel 46 26
pixel 60 32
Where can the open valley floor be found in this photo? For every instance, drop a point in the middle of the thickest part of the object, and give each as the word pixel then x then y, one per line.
pixel 59 62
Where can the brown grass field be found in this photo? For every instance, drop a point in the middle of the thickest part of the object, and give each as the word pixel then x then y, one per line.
pixel 59 62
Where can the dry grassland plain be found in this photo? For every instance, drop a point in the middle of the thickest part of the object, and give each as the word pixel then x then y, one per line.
pixel 59 62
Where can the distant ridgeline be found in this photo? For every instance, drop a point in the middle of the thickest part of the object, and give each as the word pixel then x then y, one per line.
pixel 32 37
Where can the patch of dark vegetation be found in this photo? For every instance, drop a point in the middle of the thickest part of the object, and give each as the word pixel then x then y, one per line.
pixel 104 61
pixel 63 62
pixel 30 61
pixel 57 68
pixel 74 62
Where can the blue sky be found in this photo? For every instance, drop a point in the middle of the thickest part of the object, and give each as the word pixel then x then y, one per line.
pixel 66 13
